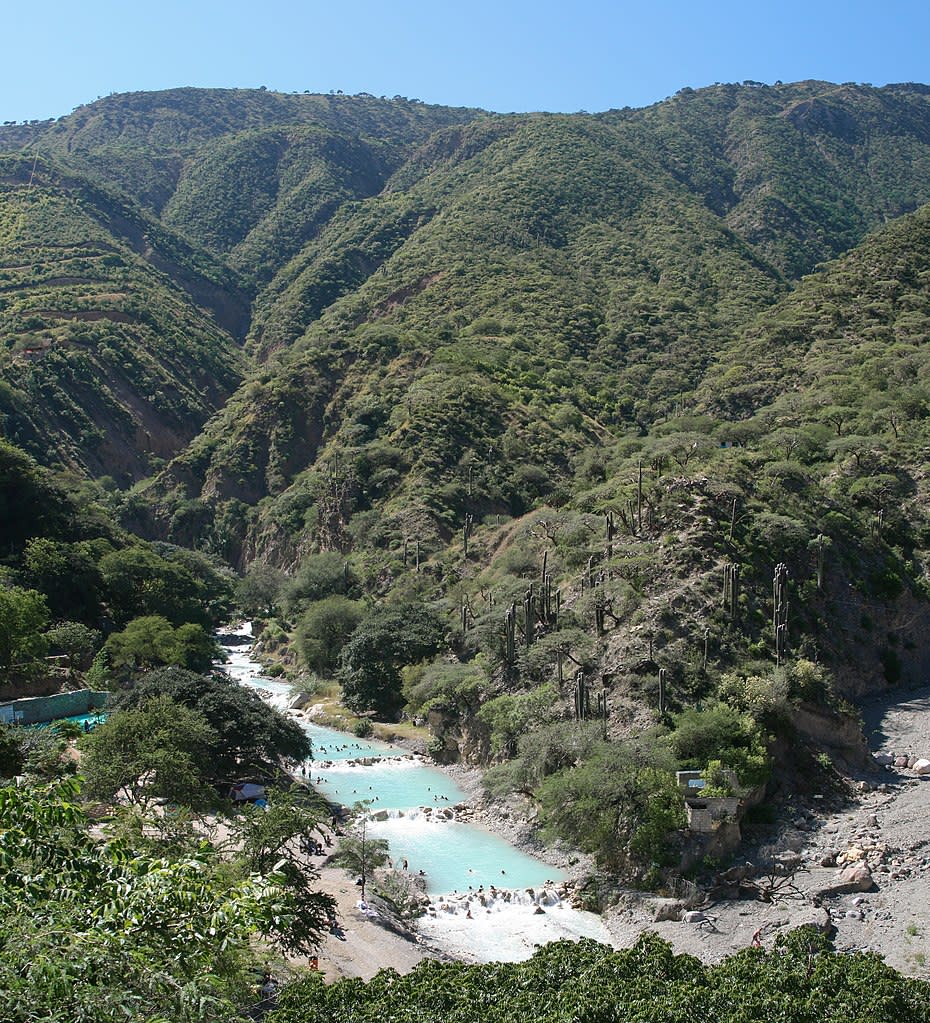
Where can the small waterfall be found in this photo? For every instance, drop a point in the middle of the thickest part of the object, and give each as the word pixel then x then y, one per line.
pixel 491 899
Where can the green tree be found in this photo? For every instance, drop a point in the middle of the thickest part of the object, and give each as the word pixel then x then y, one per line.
pixel 319 576
pixel 259 590
pixel 324 629
pixel 23 617
pixel 720 732
pixel 193 647
pixel 620 805
pixel 359 853
pixel 30 503
pixel 269 839
pixel 160 750
pixel 250 734
pixel 387 640
pixel 140 583
pixel 101 932
pixel 800 979
pixel 511 715
pixel 143 643
pixel 152 641
pixel 77 641
pixel 68 576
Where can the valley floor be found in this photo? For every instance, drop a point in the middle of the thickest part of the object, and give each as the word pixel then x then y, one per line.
pixel 889 823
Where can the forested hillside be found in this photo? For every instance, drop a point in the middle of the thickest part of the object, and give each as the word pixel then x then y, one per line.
pixel 119 337
pixel 536 401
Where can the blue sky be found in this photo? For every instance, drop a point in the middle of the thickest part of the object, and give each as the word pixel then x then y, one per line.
pixel 583 55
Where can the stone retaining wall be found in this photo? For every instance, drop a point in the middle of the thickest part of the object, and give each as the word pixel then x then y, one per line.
pixel 33 710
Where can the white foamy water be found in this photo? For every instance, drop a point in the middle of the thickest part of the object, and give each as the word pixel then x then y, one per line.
pixel 506 927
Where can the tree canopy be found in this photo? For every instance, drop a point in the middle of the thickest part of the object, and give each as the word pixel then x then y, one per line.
pixel 99 931
pixel 387 639
pixel 250 735
pixel 800 980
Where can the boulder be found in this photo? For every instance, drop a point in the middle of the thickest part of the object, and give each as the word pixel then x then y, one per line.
pixel 855 878
pixel 667 909
pixel 789 860
pixel 814 916
pixel 734 875
pixel 883 759
pixel 693 916
pixel 901 761
pixel 922 766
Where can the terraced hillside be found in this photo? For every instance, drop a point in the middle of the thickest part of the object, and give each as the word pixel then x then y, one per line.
pixel 108 361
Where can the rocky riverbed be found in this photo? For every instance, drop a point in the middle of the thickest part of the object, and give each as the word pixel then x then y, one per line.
pixel 853 861
pixel 858 868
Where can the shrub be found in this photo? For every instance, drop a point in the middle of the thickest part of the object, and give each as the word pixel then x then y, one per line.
pixel 764 697
pixel 324 629
pixel 722 733
pixel 620 805
pixel 363 728
pixel 443 682
pixel 509 716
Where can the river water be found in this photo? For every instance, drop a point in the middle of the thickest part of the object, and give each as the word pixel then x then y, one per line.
pixel 491 901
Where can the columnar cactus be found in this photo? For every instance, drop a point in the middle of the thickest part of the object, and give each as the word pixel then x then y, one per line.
pixel 466 532
pixel 639 496
pixel 510 635
pixel 602 711
pixel 582 698
pixel 731 589
pixel 780 611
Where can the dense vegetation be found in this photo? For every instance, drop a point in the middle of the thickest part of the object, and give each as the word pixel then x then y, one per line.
pixel 155 922
pixel 107 363
pixel 800 981
pixel 556 434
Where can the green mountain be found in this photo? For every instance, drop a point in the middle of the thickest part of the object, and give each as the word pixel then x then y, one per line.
pixel 558 269
pixel 118 335
pixel 457 320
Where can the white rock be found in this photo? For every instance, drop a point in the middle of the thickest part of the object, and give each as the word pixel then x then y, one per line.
pixel 855 878
pixel 816 916
pixel 922 766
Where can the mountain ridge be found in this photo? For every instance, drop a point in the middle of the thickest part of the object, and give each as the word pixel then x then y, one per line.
pixel 456 316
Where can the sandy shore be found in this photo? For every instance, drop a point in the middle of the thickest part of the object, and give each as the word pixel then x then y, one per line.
pixel 365 945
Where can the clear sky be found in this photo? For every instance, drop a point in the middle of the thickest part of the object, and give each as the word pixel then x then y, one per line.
pixel 504 55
